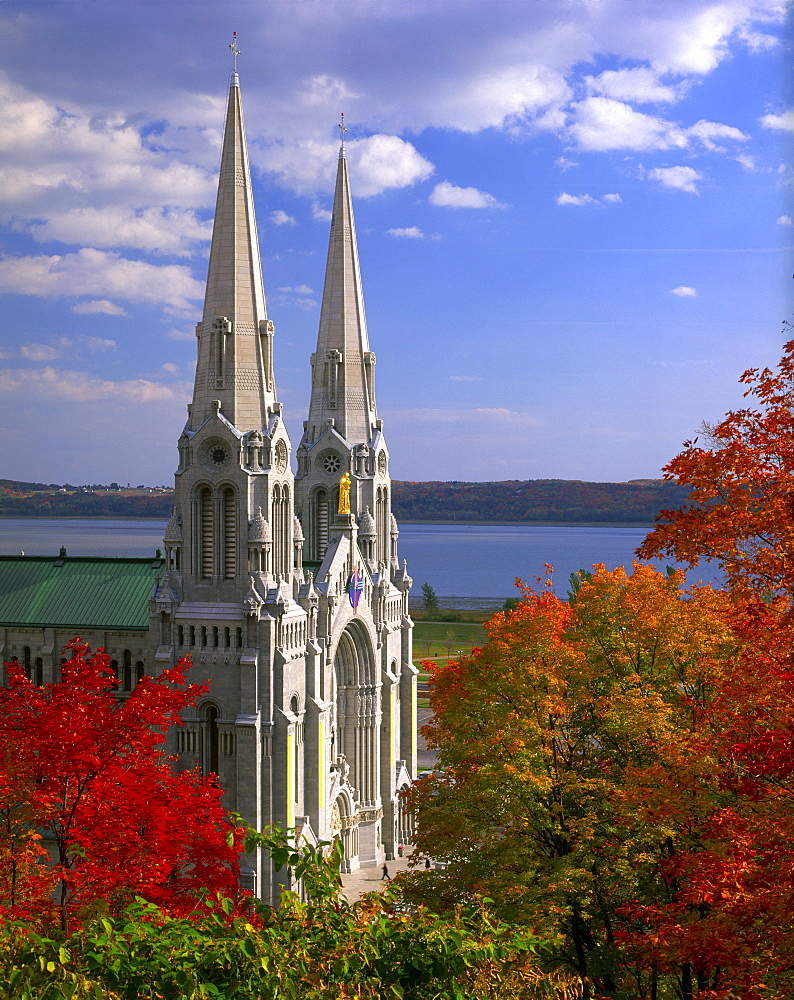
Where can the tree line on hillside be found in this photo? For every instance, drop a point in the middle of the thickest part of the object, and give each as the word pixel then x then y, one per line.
pixel 538 500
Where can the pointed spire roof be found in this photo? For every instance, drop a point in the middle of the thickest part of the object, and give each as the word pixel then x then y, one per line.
pixel 235 338
pixel 343 368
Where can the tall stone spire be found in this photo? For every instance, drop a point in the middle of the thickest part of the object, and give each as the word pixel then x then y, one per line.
pixel 343 368
pixel 235 360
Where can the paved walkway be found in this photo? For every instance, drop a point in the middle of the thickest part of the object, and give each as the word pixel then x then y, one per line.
pixel 357 883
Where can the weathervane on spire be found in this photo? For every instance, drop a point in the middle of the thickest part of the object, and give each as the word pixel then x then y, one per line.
pixel 342 129
pixel 235 50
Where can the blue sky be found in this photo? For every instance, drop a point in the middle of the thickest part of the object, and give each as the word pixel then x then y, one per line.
pixel 574 220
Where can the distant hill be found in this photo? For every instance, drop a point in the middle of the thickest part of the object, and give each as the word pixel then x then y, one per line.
pixel 40 500
pixel 538 500
pixel 534 500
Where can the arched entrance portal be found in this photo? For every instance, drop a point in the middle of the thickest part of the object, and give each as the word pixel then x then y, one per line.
pixel 357 710
pixel 342 828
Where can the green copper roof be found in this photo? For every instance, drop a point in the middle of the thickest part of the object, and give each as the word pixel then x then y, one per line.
pixel 77 591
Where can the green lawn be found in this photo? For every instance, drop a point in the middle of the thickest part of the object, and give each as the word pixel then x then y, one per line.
pixel 444 640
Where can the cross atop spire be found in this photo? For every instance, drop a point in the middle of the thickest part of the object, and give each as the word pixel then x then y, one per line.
pixel 342 128
pixel 235 54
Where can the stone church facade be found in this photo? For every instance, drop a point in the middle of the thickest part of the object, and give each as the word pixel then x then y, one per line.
pixel 285 589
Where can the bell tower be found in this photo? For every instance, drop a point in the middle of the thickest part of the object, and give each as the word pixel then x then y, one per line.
pixel 343 433
pixel 234 452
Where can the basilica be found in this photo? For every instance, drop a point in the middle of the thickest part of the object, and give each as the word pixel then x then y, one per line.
pixel 285 588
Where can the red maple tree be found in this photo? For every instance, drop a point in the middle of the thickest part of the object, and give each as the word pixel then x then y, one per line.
pixel 741 483
pixel 91 811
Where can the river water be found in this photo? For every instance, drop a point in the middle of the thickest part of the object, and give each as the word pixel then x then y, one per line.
pixel 457 560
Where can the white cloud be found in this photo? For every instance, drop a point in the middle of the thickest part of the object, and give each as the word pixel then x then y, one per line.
pixel 601 124
pixel 692 38
pixel 297 289
pixel 386 161
pixel 450 196
pixel 280 218
pixel 98 306
pixel 79 387
pixel 465 378
pixel 320 214
pixel 94 272
pixel 782 123
pixel 410 232
pixel 576 199
pixel 564 163
pixel 492 96
pixel 100 344
pixel 707 132
pixel 746 161
pixel 685 292
pixel 157 230
pixel 587 199
pixel 378 163
pixel 680 178
pixel 170 367
pixel 482 415
pixel 639 84
pixel 175 334
pixel 39 352
pixel 78 177
pixel 785 220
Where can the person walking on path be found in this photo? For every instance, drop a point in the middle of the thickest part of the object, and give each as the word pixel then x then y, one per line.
pixel 385 876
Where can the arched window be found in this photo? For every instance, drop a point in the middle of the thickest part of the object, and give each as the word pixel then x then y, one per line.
pixel 203 635
pixel 192 635
pixel 38 671
pixel 215 636
pixel 114 666
pixel 382 522
pixel 26 662
pixel 229 534
pixel 211 756
pixel 127 671
pixel 227 637
pixel 318 524
pixel 207 533
pixel 138 671
pixel 180 635
pixel 239 637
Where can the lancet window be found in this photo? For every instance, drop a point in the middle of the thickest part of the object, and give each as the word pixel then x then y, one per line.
pixel 281 520
pixel 382 520
pixel 317 534
pixel 218 533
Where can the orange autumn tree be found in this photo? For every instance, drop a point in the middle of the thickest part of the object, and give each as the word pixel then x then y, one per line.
pixel 91 812
pixel 575 767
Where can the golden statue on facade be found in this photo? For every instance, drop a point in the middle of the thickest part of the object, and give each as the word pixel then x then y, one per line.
pixel 344 494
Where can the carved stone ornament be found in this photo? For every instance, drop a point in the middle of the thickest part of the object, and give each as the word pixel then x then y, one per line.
pixel 329 463
pixel 215 455
pixel 280 457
